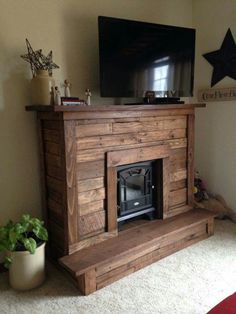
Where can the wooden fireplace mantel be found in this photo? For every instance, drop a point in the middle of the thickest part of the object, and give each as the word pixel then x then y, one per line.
pixel 80 149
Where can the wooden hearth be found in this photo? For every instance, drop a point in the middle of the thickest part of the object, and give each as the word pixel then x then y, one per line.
pixel 81 148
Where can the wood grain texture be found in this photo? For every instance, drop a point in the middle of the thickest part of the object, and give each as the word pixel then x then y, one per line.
pixel 149 125
pixel 92 223
pixel 190 159
pixel 88 170
pixel 130 156
pixel 93 129
pixel 178 197
pixel 177 185
pixel 136 248
pixel 71 181
pixel 177 210
pixel 91 241
pixel 94 154
pixel 90 196
pixel 178 175
pixel 42 171
pixel 114 108
pixel 90 184
pixel 128 138
pixel 111 199
pixel 91 207
pixel 134 241
pixel 166 185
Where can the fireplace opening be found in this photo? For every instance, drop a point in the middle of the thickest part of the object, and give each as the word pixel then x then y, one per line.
pixel 139 191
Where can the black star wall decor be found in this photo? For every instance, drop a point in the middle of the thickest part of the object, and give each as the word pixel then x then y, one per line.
pixel 223 60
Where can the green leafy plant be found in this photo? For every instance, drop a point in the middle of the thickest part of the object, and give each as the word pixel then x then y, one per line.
pixel 25 235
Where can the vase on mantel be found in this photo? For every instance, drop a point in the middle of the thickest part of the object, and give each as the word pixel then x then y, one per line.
pixel 42 86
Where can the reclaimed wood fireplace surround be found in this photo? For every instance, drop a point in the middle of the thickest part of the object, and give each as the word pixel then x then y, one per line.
pixel 80 149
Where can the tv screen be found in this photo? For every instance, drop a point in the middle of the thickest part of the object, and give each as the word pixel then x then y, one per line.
pixel 136 57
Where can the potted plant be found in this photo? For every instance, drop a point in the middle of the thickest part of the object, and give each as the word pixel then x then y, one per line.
pixel 24 245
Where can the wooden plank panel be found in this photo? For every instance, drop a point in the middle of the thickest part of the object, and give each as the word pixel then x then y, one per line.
pixel 90 184
pixel 140 262
pixel 53 160
pixel 55 207
pixel 178 175
pixel 157 118
pixel 42 170
pixel 55 195
pixel 111 199
pixel 178 164
pixel 91 207
pixel 177 197
pixel 71 181
pixel 93 195
pixel 90 281
pixel 54 172
pixel 161 135
pixel 133 241
pixel 175 123
pixel 91 241
pixel 52 148
pixel 94 121
pixel 129 138
pixel 113 263
pixel 166 185
pixel 88 170
pixel 54 184
pixel 91 223
pixel 174 211
pixel 178 154
pixel 177 143
pixel 90 154
pixel 106 141
pixel 178 185
pixel 99 153
pixel 135 127
pixel 190 158
pixel 51 135
pixel 93 129
pixel 58 219
pixel 73 114
pixel 51 124
pixel 154 125
pixel 133 155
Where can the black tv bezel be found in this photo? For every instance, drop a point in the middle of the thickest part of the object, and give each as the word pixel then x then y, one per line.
pixel 167 27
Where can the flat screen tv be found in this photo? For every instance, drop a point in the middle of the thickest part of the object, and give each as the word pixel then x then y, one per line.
pixel 136 57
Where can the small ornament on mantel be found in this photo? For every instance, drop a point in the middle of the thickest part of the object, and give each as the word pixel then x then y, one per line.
pixel 88 94
pixel 57 96
pixel 67 86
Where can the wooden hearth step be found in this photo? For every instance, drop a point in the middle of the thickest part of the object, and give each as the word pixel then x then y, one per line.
pixel 98 266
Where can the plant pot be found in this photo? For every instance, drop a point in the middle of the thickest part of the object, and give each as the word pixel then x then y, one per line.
pixel 27 271
pixel 41 88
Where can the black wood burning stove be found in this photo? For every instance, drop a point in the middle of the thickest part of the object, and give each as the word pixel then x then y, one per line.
pixel 137 187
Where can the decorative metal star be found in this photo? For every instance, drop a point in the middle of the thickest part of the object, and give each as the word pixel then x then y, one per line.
pixel 223 60
pixel 38 61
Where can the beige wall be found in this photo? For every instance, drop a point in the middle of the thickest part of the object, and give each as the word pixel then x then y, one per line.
pixel 69 28
pixel 215 125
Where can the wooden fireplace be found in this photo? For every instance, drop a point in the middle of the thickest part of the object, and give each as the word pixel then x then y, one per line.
pixel 81 150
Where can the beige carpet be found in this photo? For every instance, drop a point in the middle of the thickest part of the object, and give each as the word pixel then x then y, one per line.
pixel 191 281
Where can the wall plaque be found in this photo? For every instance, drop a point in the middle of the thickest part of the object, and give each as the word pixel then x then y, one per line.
pixel 219 94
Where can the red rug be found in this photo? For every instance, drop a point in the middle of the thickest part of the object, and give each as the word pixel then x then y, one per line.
pixel 227 306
